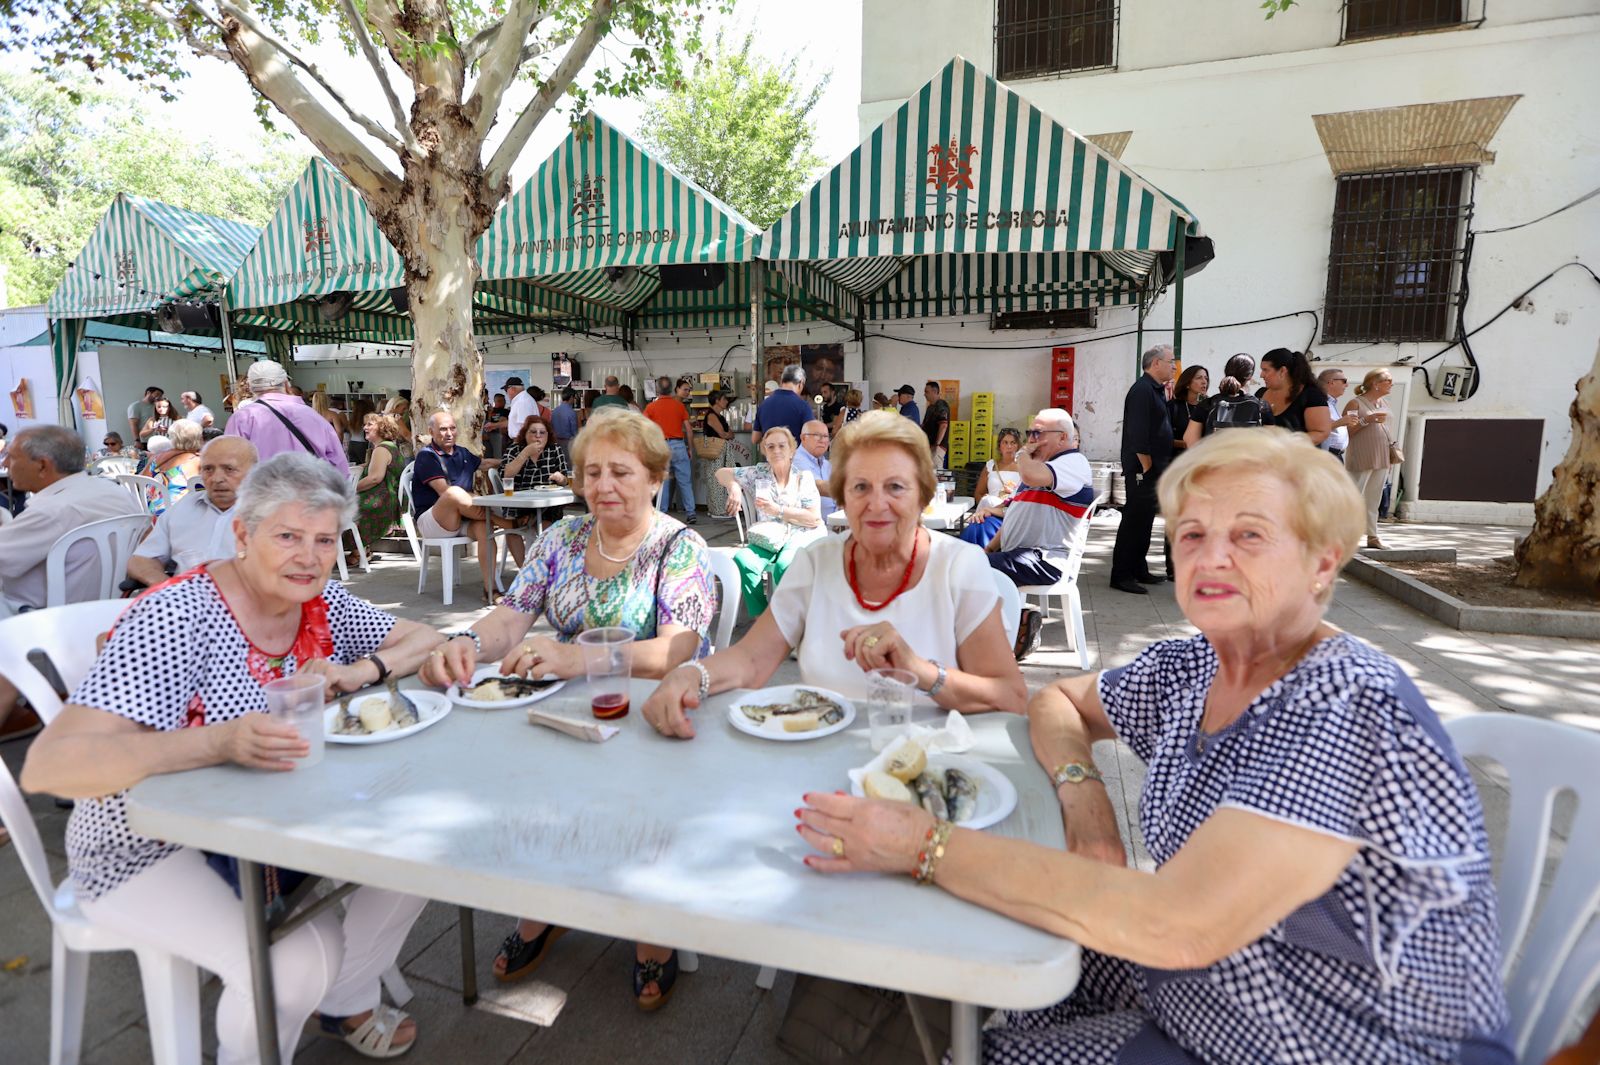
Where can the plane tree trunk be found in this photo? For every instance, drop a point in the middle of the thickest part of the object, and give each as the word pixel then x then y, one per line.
pixel 1563 550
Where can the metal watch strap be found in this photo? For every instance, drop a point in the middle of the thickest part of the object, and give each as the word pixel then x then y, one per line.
pixel 1074 773
pixel 938 682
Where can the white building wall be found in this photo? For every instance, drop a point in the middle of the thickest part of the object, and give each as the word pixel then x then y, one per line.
pixel 1220 103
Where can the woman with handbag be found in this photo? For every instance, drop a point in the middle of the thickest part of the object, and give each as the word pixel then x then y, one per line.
pixel 719 450
pixel 1372 447
pixel 788 511
pixel 216 635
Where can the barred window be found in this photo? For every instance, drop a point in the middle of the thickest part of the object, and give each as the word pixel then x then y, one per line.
pixel 1038 37
pixel 1394 263
pixel 1381 18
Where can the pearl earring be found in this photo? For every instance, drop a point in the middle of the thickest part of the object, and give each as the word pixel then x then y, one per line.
pixel 241 555
pixel 1316 588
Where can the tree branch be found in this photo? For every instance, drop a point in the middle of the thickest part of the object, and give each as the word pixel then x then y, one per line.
pixel 358 26
pixel 386 20
pixel 583 45
pixel 271 75
pixel 501 60
pixel 247 19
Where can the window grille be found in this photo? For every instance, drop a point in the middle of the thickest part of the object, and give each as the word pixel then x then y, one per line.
pixel 1038 37
pixel 1381 18
pixel 1084 318
pixel 1395 259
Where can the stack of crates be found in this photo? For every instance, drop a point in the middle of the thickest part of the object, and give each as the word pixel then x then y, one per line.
pixel 982 449
pixel 959 445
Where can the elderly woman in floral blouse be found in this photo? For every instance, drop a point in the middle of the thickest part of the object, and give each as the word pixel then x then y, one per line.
pixel 623 564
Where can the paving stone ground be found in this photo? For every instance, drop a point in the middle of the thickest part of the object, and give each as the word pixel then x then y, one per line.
pixel 578 1010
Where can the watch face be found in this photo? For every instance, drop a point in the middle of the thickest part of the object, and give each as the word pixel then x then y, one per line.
pixel 1074 773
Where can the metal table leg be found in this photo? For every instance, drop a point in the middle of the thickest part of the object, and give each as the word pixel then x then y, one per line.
pixel 253 895
pixel 966 1034
pixel 469 962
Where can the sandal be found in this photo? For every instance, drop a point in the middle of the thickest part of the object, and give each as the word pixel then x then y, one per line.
pixel 523 956
pixel 373 1037
pixel 664 974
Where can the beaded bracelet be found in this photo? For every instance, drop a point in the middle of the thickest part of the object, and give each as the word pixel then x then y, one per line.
pixel 933 845
pixel 705 678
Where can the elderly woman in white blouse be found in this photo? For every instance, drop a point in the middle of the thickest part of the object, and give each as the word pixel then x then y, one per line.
pixel 891 594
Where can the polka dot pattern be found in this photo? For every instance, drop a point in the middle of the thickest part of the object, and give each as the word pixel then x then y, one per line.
pixel 1397 962
pixel 177 659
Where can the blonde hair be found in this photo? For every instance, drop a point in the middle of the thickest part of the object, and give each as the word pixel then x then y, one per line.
pixel 852 398
pixel 1325 510
pixel 882 428
pixel 1372 378
pixel 389 428
pixel 319 401
pixel 632 432
pixel 784 432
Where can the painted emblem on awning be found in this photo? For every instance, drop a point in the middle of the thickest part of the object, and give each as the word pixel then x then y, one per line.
pixel 951 167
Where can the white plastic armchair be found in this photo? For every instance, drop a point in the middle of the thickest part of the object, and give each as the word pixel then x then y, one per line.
pixel 421 545
pixel 65 636
pixel 1066 589
pixel 113 539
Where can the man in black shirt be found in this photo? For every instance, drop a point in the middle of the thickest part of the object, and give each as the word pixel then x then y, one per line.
pixel 935 423
pixel 1146 450
pixel 832 402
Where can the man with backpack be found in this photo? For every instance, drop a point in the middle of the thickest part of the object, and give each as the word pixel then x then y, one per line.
pixel 1146 450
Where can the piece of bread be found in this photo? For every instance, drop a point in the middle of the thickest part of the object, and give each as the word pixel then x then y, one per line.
pixel 908 762
pixel 883 786
pixel 375 714
pixel 805 721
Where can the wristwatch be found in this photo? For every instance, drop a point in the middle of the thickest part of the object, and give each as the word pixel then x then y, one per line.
pixel 1074 773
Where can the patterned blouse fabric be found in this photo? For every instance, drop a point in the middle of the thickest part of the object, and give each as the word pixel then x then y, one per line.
pixel 1398 962
pixel 668 582
pixel 800 491
pixel 1369 444
pixel 537 471
pixel 177 659
pixel 378 506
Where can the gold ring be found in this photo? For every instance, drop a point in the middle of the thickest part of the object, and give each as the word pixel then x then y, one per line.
pixel 870 642
pixel 838 847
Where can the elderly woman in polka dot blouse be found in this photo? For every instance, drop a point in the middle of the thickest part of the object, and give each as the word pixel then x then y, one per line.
pixel 1322 889
pixel 179 686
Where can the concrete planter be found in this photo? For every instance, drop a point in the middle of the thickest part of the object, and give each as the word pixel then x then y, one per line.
pixel 1522 621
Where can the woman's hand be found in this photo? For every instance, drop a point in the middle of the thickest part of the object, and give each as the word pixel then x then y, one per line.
pixel 452 662
pixel 341 678
pixel 668 707
pixel 880 646
pixel 735 499
pixel 255 741
pixel 767 506
pixel 877 836
pixel 540 656
pixel 558 478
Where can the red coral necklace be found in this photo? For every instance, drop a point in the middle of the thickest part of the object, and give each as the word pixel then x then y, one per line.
pixel 905 580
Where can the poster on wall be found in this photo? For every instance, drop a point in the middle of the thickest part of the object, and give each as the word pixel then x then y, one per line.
pixel 824 365
pixel 89 397
pixel 90 404
pixel 22 400
pixel 779 356
pixel 562 370
pixel 495 380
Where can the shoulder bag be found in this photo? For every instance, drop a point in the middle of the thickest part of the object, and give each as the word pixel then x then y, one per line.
pixel 292 427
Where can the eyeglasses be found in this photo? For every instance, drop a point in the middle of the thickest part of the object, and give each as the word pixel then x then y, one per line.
pixel 1034 434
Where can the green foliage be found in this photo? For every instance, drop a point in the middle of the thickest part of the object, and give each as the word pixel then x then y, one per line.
pixel 1277 7
pixel 740 127
pixel 62 163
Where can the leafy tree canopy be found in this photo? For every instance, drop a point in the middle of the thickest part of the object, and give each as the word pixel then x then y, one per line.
pixel 740 127
pixel 62 163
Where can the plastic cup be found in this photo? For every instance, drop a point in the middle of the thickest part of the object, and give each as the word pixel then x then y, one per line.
pixel 298 700
pixel 511 488
pixel 890 693
pixel 608 664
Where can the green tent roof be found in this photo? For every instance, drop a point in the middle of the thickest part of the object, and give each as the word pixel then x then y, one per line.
pixel 970 199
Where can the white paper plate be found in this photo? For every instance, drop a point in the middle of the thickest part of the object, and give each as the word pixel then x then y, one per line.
pixel 997 796
pixel 483 673
pixel 773 730
pixel 431 709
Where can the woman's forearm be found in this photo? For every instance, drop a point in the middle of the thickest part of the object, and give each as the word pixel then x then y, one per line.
pixel 407 646
pixel 499 630
pixel 87 765
pixel 975 692
pixel 750 662
pixel 656 657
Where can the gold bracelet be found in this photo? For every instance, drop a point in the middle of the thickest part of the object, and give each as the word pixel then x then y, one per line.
pixel 932 851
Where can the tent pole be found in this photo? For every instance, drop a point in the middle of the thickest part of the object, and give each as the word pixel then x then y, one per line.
pixel 758 323
pixel 1138 343
pixel 1177 310
pixel 227 342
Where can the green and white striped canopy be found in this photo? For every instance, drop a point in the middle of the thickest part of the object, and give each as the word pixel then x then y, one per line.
pixel 970 199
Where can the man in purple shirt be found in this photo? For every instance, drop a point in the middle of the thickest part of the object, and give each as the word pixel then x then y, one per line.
pixel 277 422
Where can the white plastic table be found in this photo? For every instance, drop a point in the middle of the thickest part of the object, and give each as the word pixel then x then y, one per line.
pixel 529 499
pixel 690 843
pixel 941 516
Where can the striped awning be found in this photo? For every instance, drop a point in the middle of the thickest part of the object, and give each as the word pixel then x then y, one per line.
pixel 144 253
pixel 321 239
pixel 970 199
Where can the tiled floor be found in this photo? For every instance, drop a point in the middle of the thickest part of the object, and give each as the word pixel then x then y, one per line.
pixel 578 1010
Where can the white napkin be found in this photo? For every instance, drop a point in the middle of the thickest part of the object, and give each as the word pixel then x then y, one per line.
pixel 954 738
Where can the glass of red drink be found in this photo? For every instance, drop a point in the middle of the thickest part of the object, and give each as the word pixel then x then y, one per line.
pixel 608 662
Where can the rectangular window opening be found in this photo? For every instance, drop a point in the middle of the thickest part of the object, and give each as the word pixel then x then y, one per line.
pixel 1034 38
pixel 1383 18
pixel 1394 263
pixel 1084 318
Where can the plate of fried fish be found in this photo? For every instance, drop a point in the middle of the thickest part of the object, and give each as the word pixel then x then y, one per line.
pixel 952 787
pixel 492 690
pixel 383 715
pixel 791 712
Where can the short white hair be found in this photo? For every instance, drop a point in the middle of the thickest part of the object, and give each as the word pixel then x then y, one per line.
pixel 1057 418
pixel 294 477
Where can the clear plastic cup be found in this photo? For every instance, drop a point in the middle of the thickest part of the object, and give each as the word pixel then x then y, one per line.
pixel 298 700
pixel 608 663
pixel 890 693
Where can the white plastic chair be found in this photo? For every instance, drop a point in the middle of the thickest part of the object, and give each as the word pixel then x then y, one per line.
pixel 528 533
pixel 113 538
pixel 361 553
pixel 420 545
pixel 66 636
pixel 110 467
pixel 139 486
pixel 1559 964
pixel 1010 605
pixel 727 573
pixel 1066 589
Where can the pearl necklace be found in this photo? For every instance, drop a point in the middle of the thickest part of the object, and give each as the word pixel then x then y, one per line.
pixel 600 545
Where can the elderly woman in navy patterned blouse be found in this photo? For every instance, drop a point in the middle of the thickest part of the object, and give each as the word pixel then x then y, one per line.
pixel 179 686
pixel 1322 888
